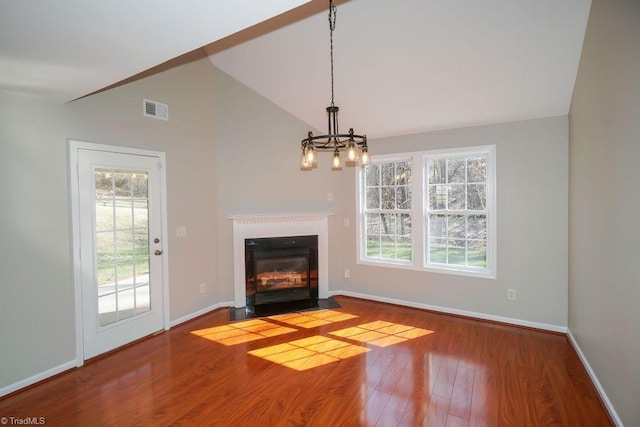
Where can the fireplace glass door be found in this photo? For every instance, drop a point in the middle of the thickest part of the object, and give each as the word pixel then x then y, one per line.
pixel 281 269
pixel 282 273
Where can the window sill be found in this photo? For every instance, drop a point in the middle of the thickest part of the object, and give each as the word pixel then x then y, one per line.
pixel 437 270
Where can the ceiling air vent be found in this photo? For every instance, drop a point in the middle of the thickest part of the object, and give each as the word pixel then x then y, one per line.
pixel 155 109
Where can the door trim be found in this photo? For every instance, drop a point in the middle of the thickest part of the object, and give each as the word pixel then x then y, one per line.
pixel 74 147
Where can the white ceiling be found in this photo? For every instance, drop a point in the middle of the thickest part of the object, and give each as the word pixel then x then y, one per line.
pixel 401 67
pixel 65 49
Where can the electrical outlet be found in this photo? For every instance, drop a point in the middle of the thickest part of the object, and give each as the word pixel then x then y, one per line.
pixel 329 197
pixel 347 273
pixel 203 288
pixel 511 294
pixel 181 231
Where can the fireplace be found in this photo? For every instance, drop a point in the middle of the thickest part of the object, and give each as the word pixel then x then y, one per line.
pixel 257 227
pixel 281 269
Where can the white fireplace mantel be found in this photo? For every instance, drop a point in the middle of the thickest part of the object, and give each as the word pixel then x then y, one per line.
pixel 279 225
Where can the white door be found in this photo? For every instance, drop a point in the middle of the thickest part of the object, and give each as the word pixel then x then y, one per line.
pixel 121 248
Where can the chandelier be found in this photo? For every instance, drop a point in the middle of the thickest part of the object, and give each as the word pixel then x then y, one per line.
pixel 354 145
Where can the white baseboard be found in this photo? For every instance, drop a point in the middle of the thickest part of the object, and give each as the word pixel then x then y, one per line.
pixel 483 316
pixel 200 313
pixel 38 377
pixel 603 395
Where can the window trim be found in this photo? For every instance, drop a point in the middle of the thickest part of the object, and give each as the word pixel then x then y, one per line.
pixel 419 213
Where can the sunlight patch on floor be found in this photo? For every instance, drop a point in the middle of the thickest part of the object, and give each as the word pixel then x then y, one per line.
pixel 314 351
pixel 312 319
pixel 241 332
pixel 308 353
pixel 381 333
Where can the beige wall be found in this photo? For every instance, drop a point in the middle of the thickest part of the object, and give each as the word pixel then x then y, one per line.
pixel 604 280
pixel 258 168
pixel 257 152
pixel 532 185
pixel 37 331
pixel 36 287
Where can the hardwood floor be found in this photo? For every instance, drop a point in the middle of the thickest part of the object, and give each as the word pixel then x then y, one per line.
pixel 364 364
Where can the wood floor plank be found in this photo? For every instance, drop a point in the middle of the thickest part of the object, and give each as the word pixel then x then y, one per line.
pixel 364 364
pixel 446 377
pixel 460 405
pixel 437 411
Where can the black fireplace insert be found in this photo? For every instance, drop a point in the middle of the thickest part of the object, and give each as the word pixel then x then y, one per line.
pixel 281 269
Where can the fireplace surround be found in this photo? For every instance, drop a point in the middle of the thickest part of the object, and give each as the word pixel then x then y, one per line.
pixel 254 227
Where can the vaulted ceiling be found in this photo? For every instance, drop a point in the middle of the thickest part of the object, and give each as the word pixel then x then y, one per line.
pixel 401 66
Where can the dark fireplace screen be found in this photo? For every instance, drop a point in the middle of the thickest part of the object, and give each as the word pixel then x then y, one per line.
pixel 282 273
pixel 281 269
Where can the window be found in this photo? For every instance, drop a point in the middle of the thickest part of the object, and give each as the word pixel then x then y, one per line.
pixel 387 211
pixel 448 225
pixel 456 210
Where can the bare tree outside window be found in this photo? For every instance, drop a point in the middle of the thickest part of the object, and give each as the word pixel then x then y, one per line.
pixel 388 210
pixel 456 212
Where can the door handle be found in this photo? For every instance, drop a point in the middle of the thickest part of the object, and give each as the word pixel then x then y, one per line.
pixel 157 252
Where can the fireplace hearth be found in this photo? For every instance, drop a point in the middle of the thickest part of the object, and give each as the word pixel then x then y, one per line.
pixel 281 272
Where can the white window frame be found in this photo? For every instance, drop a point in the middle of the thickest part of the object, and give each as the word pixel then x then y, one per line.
pixel 361 243
pixel 419 213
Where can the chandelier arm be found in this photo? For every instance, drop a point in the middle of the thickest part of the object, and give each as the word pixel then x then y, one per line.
pixel 334 129
pixel 330 142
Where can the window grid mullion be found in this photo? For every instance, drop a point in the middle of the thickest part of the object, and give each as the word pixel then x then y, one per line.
pixel 466 241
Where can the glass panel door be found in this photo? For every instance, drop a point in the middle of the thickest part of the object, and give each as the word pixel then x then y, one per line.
pixel 121 248
pixel 122 243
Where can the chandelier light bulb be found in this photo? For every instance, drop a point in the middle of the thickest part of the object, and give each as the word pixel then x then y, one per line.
pixel 365 158
pixel 310 155
pixel 337 163
pixel 351 152
pixel 303 162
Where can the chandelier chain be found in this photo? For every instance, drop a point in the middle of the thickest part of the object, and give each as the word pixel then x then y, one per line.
pixel 333 12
